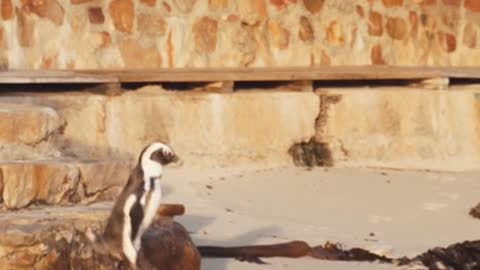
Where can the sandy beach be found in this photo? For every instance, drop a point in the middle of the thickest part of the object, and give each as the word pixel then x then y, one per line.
pixel 395 213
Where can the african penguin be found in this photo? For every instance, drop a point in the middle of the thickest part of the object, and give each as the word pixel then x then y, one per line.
pixel 138 202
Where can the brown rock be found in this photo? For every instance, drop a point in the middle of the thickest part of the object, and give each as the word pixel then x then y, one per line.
pixel 150 3
pixel 396 28
pixel 376 55
pixel 375 24
pixel 334 34
pixel 251 12
pixel 325 59
pixel 313 6
pixel 392 3
pixel 475 211
pixel 205 34
pixel 95 15
pixel 452 2
pixel 359 10
pixel 2 40
pixel 185 6
pixel 279 36
pixel 281 4
pixel 76 2
pixel 218 4
pixel 428 2
pixel 7 9
pixel 305 33
pixel 413 17
pixel 47 9
pixel 472 5
pixel 61 239
pixel 167 7
pixel 470 36
pixel 106 39
pixel 136 56
pixel 151 24
pixel 49 62
pixel 25 29
pixel 170 50
pixel 122 13
pixel 447 41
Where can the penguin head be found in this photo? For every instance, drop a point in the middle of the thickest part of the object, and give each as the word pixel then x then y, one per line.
pixel 160 153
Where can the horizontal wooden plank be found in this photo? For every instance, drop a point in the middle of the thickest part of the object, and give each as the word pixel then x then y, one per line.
pixel 237 74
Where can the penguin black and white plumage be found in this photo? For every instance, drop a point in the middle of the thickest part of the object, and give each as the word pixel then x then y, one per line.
pixel 137 204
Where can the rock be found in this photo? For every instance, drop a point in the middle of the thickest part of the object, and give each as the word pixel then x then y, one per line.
pixel 475 211
pixel 313 6
pixel 217 4
pixel 122 14
pixel 413 17
pixel 392 3
pixel 61 182
pixel 396 28
pixel 447 41
pixel 472 5
pixel 136 56
pixel 6 9
pixel 377 55
pixel 25 29
pixel 61 238
pixel 76 2
pixel 150 3
pixel 151 24
pixel 28 124
pixel 455 3
pixel 205 35
pixel 185 6
pixel 334 34
pixel 48 9
pixel 470 36
pixel 95 15
pixel 305 33
pixel 375 25
pixel 251 12
pixel 278 35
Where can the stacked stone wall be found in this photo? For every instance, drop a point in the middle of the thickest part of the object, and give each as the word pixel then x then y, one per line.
pixel 108 34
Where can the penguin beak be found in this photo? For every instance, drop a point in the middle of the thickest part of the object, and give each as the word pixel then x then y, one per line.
pixel 175 158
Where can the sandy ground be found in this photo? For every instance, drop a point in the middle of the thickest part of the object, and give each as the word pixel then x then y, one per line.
pixel 389 212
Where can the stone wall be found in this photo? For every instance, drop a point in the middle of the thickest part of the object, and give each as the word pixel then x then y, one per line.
pixel 79 34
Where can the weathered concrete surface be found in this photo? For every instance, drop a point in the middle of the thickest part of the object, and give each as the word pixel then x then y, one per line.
pixel 60 182
pixel 401 128
pixel 247 127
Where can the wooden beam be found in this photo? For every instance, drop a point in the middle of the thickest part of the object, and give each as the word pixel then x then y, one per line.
pixel 320 73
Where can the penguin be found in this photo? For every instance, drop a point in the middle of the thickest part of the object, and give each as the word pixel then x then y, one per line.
pixel 138 203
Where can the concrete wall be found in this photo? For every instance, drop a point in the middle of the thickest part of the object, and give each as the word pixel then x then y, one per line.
pixel 402 128
pixel 78 34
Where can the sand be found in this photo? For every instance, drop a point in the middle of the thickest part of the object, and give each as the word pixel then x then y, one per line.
pixel 394 213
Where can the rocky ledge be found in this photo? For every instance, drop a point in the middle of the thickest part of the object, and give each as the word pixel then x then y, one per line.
pixel 60 238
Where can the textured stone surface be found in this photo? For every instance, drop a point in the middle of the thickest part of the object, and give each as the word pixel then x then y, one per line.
pixel 6 9
pixel 27 124
pixel 48 9
pixel 198 33
pixel 60 238
pixel 123 14
pixel 61 182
